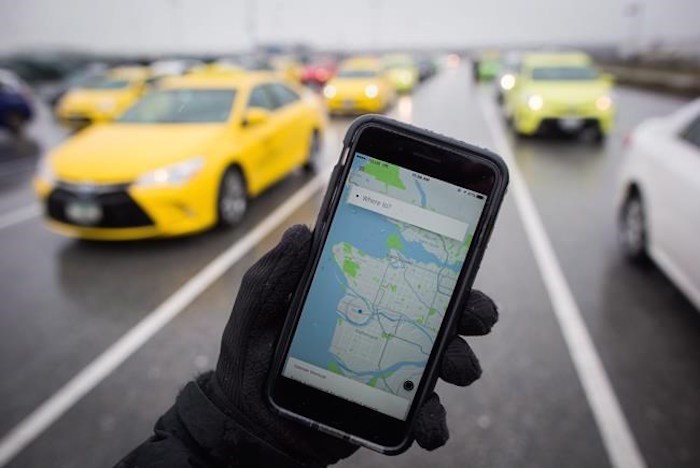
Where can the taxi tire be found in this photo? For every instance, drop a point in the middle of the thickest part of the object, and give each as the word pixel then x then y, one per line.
pixel 632 231
pixel 232 198
pixel 314 151
pixel 592 134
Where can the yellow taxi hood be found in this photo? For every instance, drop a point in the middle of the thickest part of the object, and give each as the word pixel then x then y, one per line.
pixel 568 91
pixel 114 153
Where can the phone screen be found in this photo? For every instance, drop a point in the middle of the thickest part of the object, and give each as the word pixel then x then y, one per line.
pixel 387 271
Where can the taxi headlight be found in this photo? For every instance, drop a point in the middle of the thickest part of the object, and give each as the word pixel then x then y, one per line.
pixel 535 102
pixel 405 76
pixel 603 103
pixel 371 91
pixel 507 82
pixel 329 91
pixel 175 174
pixel 107 105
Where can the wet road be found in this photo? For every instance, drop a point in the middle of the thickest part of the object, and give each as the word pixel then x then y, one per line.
pixel 64 302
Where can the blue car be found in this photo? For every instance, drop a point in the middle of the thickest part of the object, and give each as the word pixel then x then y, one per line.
pixel 15 106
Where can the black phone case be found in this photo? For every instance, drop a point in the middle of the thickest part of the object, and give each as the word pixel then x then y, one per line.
pixel 321 228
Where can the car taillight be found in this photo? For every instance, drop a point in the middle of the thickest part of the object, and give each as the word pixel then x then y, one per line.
pixel 322 75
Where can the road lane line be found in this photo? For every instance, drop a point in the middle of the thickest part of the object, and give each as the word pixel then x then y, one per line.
pixel 101 367
pixel 19 215
pixel 617 437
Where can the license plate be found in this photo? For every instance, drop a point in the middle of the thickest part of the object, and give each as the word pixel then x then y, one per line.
pixel 348 104
pixel 84 212
pixel 571 123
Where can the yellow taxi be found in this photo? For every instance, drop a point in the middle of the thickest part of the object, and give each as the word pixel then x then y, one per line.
pixel 359 86
pixel 186 157
pixel 288 67
pixel 214 69
pixel 401 71
pixel 562 90
pixel 103 98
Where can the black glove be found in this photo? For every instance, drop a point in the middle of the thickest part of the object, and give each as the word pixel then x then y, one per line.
pixel 248 345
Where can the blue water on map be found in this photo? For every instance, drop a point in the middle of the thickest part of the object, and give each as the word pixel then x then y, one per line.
pixel 423 197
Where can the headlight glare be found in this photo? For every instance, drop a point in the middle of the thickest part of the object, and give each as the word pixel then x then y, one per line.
pixel 329 91
pixel 535 102
pixel 507 81
pixel 107 105
pixel 603 103
pixel 175 174
pixel 371 91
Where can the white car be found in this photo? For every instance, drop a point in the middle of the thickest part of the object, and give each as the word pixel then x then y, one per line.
pixel 659 197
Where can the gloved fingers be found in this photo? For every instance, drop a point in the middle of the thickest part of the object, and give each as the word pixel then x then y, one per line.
pixel 459 365
pixel 430 429
pixel 479 315
pixel 273 278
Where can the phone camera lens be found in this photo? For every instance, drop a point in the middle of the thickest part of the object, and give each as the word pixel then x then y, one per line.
pixel 408 385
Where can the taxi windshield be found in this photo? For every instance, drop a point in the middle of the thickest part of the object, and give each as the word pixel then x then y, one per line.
pixel 567 73
pixel 357 73
pixel 182 106
pixel 105 83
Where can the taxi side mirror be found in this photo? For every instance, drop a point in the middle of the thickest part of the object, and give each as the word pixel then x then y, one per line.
pixel 255 116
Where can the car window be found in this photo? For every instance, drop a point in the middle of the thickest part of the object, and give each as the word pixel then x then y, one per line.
pixel 107 83
pixel 573 73
pixel 692 133
pixel 357 73
pixel 178 106
pixel 283 95
pixel 259 97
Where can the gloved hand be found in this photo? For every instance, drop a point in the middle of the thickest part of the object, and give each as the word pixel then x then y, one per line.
pixel 248 346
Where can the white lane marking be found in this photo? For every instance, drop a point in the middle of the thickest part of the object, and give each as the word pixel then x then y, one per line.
pixel 19 215
pixel 617 437
pixel 90 376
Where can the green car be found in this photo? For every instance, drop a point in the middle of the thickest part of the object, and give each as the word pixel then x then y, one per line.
pixel 561 90
pixel 402 71
pixel 486 67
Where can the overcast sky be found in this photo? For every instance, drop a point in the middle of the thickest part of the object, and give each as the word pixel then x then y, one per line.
pixel 150 26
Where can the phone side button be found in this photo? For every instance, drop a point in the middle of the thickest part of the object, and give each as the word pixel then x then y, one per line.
pixel 329 193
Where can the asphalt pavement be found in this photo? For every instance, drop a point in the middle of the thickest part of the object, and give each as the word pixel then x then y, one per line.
pixel 64 302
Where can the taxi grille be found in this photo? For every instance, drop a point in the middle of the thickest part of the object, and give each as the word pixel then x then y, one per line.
pixel 119 210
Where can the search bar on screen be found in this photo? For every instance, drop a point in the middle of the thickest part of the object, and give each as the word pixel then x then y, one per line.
pixel 408 213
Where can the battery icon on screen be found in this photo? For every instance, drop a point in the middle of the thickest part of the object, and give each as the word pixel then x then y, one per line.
pixel 480 197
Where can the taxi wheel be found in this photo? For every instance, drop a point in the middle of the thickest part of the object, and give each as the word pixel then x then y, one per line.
pixel 592 134
pixel 233 198
pixel 314 153
pixel 632 231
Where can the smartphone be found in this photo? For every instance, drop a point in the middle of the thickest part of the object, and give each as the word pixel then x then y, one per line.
pixel 397 244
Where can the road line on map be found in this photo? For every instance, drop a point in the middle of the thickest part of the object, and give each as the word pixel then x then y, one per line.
pixel 617 436
pixel 101 367
pixel 19 215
